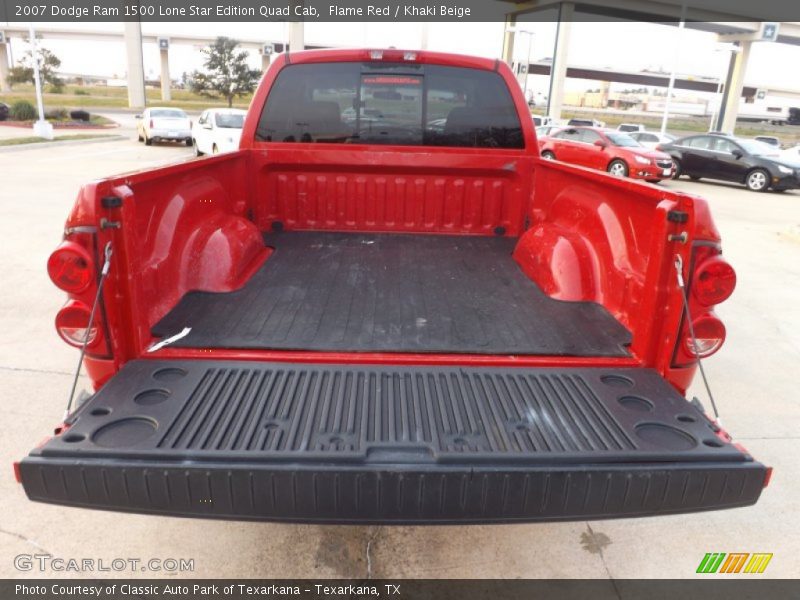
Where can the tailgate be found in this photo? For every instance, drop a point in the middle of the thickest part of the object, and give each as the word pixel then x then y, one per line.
pixel 332 443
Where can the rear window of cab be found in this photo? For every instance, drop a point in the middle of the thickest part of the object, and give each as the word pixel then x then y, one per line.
pixel 386 103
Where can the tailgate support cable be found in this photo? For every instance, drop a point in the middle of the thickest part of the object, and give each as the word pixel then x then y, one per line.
pixel 103 273
pixel 681 284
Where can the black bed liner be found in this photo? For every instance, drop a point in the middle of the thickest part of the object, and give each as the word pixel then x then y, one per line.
pixel 334 443
pixel 394 293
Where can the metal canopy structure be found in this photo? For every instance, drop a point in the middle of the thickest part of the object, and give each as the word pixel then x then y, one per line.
pixel 684 82
pixel 714 16
pixel 740 23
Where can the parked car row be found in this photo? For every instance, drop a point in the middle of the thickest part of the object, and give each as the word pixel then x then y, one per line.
pixel 629 151
pixel 217 130
pixel 758 164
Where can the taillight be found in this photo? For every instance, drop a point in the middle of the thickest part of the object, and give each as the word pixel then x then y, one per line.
pixel 713 282
pixel 709 333
pixel 72 322
pixel 767 477
pixel 151 124
pixel 71 267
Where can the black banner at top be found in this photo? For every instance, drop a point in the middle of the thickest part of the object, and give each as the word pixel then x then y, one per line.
pixel 76 11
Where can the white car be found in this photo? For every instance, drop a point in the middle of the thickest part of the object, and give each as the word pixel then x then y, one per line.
pixel 545 130
pixel 651 139
pixel 578 122
pixel 791 154
pixel 218 130
pixel 158 124
pixel 769 139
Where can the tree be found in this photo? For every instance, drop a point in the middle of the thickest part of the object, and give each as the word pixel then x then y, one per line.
pixel 227 74
pixel 48 63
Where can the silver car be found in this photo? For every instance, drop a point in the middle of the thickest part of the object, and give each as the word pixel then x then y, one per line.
pixel 164 125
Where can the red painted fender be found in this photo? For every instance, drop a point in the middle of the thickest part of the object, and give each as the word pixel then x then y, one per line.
pixel 559 261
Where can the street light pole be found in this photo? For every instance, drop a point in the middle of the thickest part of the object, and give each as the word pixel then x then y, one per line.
pixel 528 61
pixel 41 128
pixel 530 35
pixel 671 84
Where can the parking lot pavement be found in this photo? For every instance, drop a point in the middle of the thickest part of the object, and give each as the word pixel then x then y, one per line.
pixel 126 120
pixel 752 378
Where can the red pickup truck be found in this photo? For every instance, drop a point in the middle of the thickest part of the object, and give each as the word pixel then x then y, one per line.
pixel 385 307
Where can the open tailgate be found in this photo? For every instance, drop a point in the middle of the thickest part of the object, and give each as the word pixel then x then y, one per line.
pixel 378 444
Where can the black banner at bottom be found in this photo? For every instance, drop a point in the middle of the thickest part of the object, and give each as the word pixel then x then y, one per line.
pixel 715 587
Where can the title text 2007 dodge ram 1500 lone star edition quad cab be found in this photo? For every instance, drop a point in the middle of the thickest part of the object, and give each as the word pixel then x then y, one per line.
pixel 386 308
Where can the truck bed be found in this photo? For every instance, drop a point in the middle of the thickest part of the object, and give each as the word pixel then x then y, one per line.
pixel 339 443
pixel 394 293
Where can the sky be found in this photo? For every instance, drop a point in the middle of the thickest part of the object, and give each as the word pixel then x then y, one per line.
pixel 620 45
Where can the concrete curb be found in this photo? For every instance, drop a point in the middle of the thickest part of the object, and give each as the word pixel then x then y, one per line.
pixel 28 126
pixel 38 145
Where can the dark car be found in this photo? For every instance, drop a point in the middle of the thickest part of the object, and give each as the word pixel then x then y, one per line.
pixel 4 110
pixel 755 164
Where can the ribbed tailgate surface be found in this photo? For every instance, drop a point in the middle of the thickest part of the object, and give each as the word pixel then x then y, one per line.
pixel 222 410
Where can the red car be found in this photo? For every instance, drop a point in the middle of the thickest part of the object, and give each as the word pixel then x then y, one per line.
pixel 607 150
